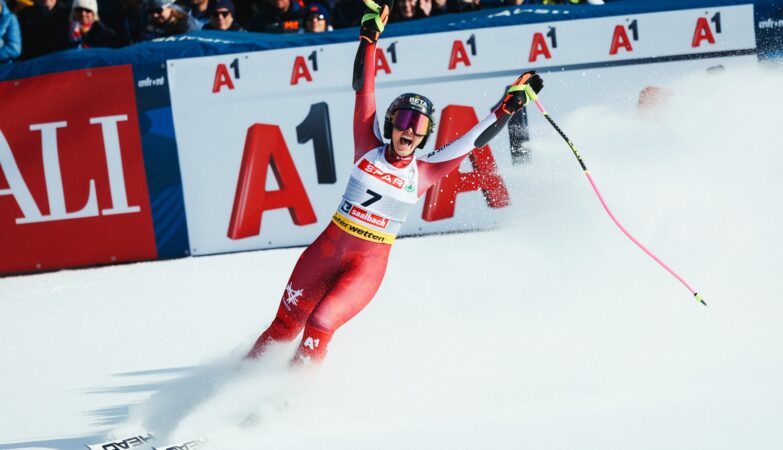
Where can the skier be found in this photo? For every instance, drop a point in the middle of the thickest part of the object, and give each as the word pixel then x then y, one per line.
pixel 340 272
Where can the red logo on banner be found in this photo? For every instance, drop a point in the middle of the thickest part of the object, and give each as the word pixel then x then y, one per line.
pixel 458 55
pixel 222 78
pixel 264 148
pixel 72 184
pixel 387 178
pixel 300 71
pixel 442 196
pixel 620 40
pixel 539 47
pixel 702 32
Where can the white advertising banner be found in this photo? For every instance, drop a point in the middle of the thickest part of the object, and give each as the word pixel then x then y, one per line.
pixel 246 123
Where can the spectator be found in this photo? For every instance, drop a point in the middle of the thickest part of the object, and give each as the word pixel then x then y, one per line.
pixel 221 16
pixel 279 16
pixel 416 9
pixel 317 19
pixel 432 7
pixel 405 10
pixel 44 28
pixel 10 36
pixel 198 10
pixel 167 19
pixel 86 29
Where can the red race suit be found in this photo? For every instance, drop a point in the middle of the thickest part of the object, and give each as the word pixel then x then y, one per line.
pixel 340 272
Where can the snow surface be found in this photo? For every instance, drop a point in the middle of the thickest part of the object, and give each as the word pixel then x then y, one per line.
pixel 551 332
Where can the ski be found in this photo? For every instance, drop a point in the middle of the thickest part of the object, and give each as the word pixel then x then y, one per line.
pixel 135 440
pixel 144 440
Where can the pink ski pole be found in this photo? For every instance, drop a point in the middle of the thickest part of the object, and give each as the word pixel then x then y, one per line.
pixel 532 96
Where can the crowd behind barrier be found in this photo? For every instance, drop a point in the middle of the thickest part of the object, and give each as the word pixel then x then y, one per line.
pixel 31 28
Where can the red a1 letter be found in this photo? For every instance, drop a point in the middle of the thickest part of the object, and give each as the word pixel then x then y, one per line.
pixel 380 62
pixel 620 39
pixel 539 47
pixel 222 78
pixel 442 196
pixel 458 55
pixel 702 32
pixel 300 71
pixel 264 148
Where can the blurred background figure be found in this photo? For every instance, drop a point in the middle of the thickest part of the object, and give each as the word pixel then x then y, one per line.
pixel 164 19
pixel 86 29
pixel 44 28
pixel 317 19
pixel 279 16
pixel 406 10
pixel 432 7
pixel 10 36
pixel 198 10
pixel 221 16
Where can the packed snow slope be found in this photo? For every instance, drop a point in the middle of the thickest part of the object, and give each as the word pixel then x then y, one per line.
pixel 551 332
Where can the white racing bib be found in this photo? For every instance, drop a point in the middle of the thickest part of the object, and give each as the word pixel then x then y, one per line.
pixel 378 198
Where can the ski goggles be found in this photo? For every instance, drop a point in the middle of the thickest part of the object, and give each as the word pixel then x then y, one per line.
pixel 407 118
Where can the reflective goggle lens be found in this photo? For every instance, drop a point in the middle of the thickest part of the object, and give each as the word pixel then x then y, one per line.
pixel 406 118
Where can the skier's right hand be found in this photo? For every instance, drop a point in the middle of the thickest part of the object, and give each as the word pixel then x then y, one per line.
pixel 374 18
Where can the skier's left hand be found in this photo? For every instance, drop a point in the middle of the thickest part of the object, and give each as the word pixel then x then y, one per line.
pixel 518 94
pixel 376 14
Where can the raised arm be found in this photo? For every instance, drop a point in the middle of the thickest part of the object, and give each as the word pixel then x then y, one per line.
pixel 443 160
pixel 366 134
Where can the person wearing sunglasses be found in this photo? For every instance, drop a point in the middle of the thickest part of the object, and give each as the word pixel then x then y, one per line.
pixel 317 19
pixel 87 30
pixel 340 272
pixel 164 19
pixel 221 16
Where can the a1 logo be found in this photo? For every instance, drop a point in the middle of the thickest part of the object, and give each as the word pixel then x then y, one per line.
pixel 703 30
pixel 301 69
pixel 311 343
pixel 223 76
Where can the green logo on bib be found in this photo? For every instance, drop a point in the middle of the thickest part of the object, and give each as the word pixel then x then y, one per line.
pixel 409 187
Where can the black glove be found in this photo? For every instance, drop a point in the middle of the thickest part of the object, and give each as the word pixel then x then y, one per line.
pixel 518 94
pixel 374 18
